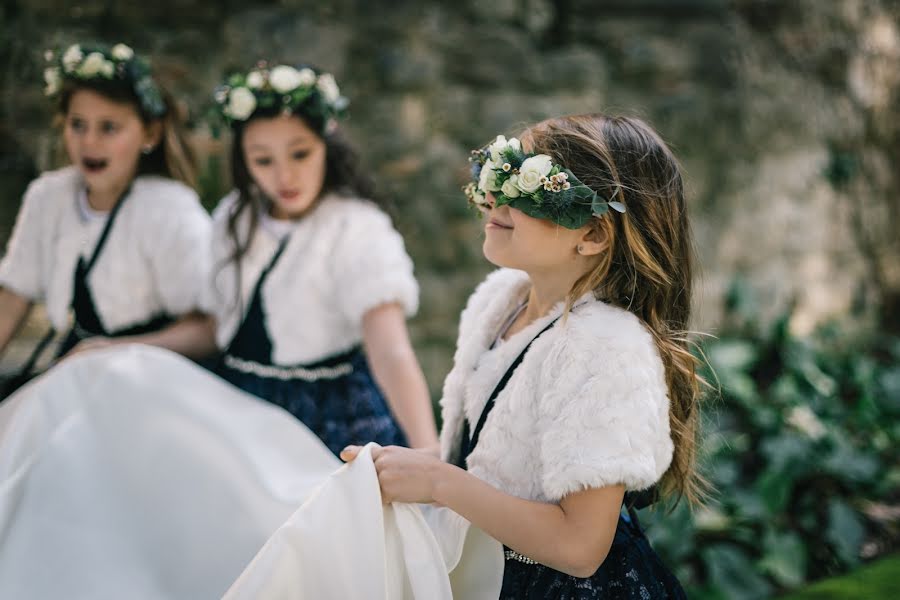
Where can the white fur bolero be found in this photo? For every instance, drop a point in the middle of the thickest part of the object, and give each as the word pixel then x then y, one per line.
pixel 587 407
pixel 154 259
pixel 341 260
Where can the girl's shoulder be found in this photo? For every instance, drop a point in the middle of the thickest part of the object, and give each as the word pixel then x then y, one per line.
pixel 352 211
pixel 595 324
pixel 56 185
pixel 600 340
pixel 164 192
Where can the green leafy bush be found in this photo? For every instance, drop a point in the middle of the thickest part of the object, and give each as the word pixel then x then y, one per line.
pixel 799 446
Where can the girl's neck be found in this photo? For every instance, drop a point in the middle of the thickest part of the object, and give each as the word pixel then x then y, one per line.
pixel 547 290
pixel 104 200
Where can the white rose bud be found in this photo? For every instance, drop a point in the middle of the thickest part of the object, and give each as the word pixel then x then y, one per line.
pixel 255 80
pixel 108 69
pixel 514 143
pixel 122 52
pixel 241 104
pixel 307 77
pixel 92 65
pixel 53 80
pixel 532 170
pixel 284 79
pixel 496 147
pixel 328 86
pixel 72 57
pixel 509 188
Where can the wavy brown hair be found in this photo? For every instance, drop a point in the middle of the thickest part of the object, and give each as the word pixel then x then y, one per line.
pixel 648 267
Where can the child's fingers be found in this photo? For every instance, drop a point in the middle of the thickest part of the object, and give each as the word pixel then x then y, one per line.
pixel 349 453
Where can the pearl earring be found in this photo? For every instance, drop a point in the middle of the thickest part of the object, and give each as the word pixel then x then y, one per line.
pixel 147 149
pixel 579 248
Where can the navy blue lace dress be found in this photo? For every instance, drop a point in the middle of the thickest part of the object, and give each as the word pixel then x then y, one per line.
pixel 336 397
pixel 631 571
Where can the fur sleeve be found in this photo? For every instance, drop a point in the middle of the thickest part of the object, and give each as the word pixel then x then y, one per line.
pixel 21 270
pixel 372 264
pixel 180 254
pixel 605 416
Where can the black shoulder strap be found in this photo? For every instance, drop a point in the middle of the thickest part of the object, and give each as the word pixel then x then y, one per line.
pixel 106 229
pixel 468 444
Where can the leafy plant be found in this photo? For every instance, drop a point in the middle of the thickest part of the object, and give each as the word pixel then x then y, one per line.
pixel 802 440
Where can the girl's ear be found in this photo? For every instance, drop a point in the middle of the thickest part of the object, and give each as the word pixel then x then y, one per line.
pixel 594 239
pixel 153 133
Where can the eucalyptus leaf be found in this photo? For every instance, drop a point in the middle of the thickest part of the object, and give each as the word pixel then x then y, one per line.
pixel 733 573
pixel 784 558
pixel 845 531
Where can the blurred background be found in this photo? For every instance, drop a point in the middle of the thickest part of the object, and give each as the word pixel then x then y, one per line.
pixel 786 115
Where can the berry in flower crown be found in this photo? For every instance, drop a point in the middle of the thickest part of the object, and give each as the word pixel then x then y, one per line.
pixel 100 63
pixel 281 88
pixel 533 184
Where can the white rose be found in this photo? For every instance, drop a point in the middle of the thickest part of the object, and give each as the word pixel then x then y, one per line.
pixel 284 79
pixel 487 182
pixel 307 77
pixel 122 52
pixel 53 80
pixel 532 170
pixel 241 104
pixel 72 57
pixel 108 69
pixel 496 147
pixel 509 188
pixel 329 88
pixel 255 80
pixel 92 65
pixel 514 143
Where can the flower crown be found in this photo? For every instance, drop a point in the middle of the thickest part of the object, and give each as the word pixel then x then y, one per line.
pixel 281 87
pixel 98 62
pixel 533 184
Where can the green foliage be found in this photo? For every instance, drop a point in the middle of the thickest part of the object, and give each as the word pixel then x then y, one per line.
pixel 880 580
pixel 804 436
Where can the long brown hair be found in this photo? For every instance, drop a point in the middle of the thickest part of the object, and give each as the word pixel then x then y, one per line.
pixel 648 268
pixel 173 156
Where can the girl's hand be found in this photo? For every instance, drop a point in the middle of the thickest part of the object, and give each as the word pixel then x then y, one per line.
pixel 405 475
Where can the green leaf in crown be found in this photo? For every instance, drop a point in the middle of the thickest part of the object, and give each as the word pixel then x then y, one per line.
pixel 533 184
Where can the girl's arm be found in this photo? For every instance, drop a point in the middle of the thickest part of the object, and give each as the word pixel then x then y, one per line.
pixel 193 335
pixel 397 372
pixel 13 310
pixel 573 536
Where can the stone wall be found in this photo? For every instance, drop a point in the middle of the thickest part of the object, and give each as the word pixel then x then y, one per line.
pixel 783 113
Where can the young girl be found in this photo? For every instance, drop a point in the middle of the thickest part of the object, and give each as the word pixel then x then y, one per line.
pixel 572 386
pixel 312 283
pixel 118 237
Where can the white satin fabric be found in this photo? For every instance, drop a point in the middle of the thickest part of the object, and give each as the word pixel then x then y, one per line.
pixel 132 473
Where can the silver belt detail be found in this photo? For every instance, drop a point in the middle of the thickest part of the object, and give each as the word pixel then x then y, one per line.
pixel 286 373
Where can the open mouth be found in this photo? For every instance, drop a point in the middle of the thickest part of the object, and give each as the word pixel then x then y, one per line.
pixel 94 165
